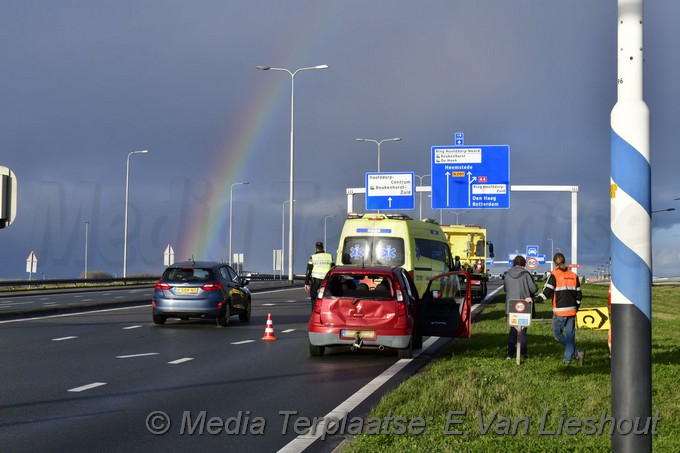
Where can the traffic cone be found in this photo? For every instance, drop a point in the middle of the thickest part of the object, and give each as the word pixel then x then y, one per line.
pixel 269 330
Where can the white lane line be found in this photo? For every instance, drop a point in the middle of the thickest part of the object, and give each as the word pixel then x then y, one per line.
pixel 243 342
pixel 305 440
pixel 45 298
pixel 49 304
pixel 288 331
pixel 78 296
pixel 119 297
pixel 268 305
pixel 64 315
pixel 185 359
pixel 136 355
pixel 87 300
pixel 87 387
pixel 131 327
pixel 71 337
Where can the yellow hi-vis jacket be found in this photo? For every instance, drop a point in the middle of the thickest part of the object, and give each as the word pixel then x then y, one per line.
pixel 321 264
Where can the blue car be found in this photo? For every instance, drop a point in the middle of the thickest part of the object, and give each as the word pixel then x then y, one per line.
pixel 201 289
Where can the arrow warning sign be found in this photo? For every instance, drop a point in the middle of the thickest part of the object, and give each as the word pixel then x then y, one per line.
pixel 593 318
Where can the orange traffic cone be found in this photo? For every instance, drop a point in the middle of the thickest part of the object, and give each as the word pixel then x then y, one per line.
pixel 269 330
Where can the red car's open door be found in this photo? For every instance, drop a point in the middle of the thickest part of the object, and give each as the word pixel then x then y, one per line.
pixel 444 310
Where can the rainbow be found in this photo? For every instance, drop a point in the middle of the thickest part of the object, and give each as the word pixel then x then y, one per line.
pixel 206 239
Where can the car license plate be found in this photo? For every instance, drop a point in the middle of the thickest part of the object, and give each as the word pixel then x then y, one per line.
pixel 363 334
pixel 186 290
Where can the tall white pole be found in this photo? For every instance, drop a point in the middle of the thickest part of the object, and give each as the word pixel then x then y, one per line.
pixel 87 224
pixel 127 189
pixel 379 142
pixel 292 160
pixel 325 244
pixel 231 210
pixel 552 253
pixel 630 192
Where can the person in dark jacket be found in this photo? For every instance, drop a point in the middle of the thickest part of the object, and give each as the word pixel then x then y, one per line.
pixel 518 285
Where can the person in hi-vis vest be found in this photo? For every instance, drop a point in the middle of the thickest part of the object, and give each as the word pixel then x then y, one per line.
pixel 317 267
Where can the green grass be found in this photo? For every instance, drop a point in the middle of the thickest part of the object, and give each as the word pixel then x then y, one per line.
pixel 473 378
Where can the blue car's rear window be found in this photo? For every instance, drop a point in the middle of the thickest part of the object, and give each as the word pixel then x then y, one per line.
pixel 188 274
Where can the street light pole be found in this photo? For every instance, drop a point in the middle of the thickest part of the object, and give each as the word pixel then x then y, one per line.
pixel 127 189
pixel 395 139
pixel 459 213
pixel 552 243
pixel 231 206
pixel 292 141
pixel 420 178
pixel 87 224
pixel 283 235
pixel 324 229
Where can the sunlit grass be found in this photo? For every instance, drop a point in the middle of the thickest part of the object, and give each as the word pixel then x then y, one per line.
pixel 499 406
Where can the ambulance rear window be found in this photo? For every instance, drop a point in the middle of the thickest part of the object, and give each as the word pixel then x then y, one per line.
pixel 373 251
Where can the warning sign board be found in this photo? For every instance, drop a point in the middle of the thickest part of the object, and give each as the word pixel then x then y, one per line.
pixel 593 318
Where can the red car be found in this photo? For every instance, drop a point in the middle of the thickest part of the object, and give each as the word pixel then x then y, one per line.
pixel 379 307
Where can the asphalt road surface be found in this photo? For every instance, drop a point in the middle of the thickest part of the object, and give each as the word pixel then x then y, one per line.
pixel 110 380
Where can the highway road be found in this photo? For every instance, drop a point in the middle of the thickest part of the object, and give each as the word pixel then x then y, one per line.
pixel 103 380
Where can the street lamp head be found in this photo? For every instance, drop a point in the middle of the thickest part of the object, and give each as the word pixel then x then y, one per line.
pixel 263 68
pixel 321 66
pixel 361 139
pixel 141 151
pixel 396 139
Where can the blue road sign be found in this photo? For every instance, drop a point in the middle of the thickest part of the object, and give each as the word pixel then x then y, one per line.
pixel 459 138
pixel 532 250
pixel 471 177
pixel 390 191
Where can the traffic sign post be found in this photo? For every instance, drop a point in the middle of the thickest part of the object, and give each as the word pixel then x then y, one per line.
pixel 31 265
pixel 519 317
pixel 471 177
pixel 390 191
pixel 169 256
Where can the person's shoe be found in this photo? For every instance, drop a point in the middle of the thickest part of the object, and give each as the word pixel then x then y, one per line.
pixel 508 358
pixel 580 356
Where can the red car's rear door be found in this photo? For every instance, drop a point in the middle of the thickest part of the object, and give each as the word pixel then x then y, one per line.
pixel 444 310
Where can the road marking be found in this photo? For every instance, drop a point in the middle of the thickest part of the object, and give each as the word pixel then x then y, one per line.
pixel 288 331
pixel 87 300
pixel 119 297
pixel 87 387
pixel 243 342
pixel 268 305
pixel 64 338
pixel 131 327
pixel 136 355
pixel 49 304
pixel 45 298
pixel 185 359
pixel 305 440
pixel 64 315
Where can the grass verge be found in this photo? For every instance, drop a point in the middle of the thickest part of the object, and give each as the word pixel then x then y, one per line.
pixel 474 400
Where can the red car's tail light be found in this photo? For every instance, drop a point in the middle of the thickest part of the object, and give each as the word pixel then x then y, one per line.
pixel 162 286
pixel 213 286
pixel 153 303
pixel 401 309
pixel 397 291
pixel 317 306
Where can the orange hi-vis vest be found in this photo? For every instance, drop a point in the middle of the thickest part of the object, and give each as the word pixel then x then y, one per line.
pixel 565 289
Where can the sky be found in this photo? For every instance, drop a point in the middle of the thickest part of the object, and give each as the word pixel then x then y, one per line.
pixel 85 83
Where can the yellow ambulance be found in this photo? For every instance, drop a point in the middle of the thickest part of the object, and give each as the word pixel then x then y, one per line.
pixel 379 239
